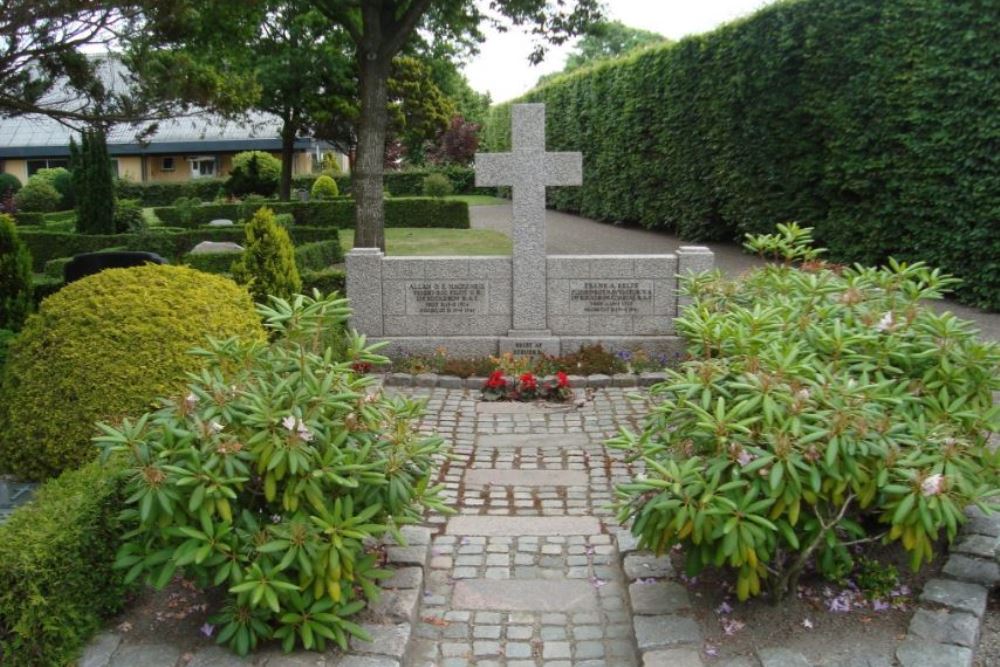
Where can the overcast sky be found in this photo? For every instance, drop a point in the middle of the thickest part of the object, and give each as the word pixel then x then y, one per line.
pixel 502 68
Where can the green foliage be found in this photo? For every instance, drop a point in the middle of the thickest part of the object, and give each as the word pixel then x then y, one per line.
pixel 6 338
pixel 54 267
pixel 326 281
pixel 437 185
pixel 329 165
pixel 267 265
pixel 253 172
pixel 26 219
pixel 37 196
pixel 170 243
pixel 102 348
pixel 128 216
pixel 818 404
pixel 42 287
pixel 62 180
pixel 184 214
pixel 875 580
pixel 863 119
pixel 605 40
pixel 165 193
pixel 268 477
pixel 93 183
pixel 211 262
pixel 324 188
pixel 9 183
pixel 319 255
pixel 57 583
pixel 15 276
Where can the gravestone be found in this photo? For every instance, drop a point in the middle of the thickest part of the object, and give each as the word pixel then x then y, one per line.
pixel 208 247
pixel 220 222
pixel 528 303
pixel 90 263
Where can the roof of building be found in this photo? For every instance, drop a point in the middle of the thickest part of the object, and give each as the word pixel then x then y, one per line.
pixel 40 136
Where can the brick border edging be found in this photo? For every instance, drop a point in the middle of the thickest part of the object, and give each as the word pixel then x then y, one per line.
pixel 595 381
pixel 946 627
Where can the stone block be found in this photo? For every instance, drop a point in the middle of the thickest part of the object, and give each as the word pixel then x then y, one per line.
pixel 781 657
pixel 405 577
pixel 402 268
pixel 364 661
pixel 864 660
pixel 981 523
pixel 497 269
pixel 446 268
pixel 514 408
pixel 653 325
pixel 397 606
pixel 145 655
pixel 518 440
pixel 416 535
pixel 659 597
pixel 649 379
pixel 100 649
pixel 624 380
pixel 216 656
pixel 665 631
pixel 515 526
pixel 364 289
pixel 399 380
pixel 919 653
pixel 656 266
pixel 501 300
pixel 645 565
pixel 569 324
pixel 672 657
pixel 957 595
pixel 301 659
pixel 611 266
pixel 387 640
pixel 568 266
pixel 558 297
pixel 611 325
pixel 474 382
pixel 477 477
pixel 975 570
pixel 450 382
pixel 404 325
pixel 536 595
pixel 983 546
pixel 394 297
pixel 412 555
pixel 599 380
pixel 425 380
pixel 529 345
pixel 945 627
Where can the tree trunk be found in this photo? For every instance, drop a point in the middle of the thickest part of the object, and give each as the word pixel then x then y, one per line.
pixel 288 132
pixel 366 180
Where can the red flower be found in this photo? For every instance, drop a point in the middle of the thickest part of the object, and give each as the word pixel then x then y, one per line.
pixel 361 366
pixel 496 380
pixel 528 382
pixel 562 380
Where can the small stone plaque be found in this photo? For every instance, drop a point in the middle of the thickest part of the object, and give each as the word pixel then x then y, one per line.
pixel 447 297
pixel 530 347
pixel 611 297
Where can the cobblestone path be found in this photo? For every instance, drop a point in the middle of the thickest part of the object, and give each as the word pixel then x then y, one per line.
pixel 525 573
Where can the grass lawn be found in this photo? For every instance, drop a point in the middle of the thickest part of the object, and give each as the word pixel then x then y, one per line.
pixel 479 200
pixel 412 241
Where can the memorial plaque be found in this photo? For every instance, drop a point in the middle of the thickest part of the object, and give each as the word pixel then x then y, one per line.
pixel 611 297
pixel 446 297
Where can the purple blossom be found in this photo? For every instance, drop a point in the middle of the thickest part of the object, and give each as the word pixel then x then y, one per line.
pixel 597 582
pixel 731 626
pixel 724 608
pixel 880 605
pixel 711 650
pixel 839 604
pixel 207 629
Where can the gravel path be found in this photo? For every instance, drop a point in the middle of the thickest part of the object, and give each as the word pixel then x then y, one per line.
pixel 574 235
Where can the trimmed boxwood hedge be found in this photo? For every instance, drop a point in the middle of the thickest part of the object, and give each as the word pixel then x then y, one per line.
pixel 166 242
pixel 874 122
pixel 25 219
pixel 325 280
pixel 56 578
pixel 211 262
pixel 315 256
pixel 164 194
pixel 339 213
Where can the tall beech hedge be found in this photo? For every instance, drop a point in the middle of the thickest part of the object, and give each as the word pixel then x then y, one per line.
pixel 874 122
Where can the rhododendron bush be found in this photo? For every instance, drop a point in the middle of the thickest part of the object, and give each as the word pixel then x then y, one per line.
pixel 269 476
pixel 822 407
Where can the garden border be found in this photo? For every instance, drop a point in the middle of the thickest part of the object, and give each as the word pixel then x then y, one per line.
pixel 594 381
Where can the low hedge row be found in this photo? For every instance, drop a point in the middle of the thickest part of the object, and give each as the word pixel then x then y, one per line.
pixel 164 194
pixel 24 219
pixel 326 281
pixel 339 213
pixel 314 256
pixel 169 243
pixel 56 578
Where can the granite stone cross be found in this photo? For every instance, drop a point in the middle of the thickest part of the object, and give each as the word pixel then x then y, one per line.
pixel 528 169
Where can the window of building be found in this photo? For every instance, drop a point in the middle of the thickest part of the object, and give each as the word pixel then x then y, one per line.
pixel 35 165
pixel 202 167
pixel 166 164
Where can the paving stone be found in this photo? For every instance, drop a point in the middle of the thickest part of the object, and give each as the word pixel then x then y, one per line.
pixel 99 650
pixel 405 577
pixel 672 657
pixel 305 659
pixel 573 441
pixel 644 565
pixel 944 626
pixel 919 653
pixel 477 477
pixel 599 380
pixel 517 650
pixel 216 656
pixel 626 542
pixel 514 408
pixel 977 545
pixel 552 650
pixel 523 594
pixel 416 535
pixel 389 640
pixel 957 595
pixel 588 650
pixel 145 655
pixel 975 570
pixel 665 631
pixel 397 606
pixel 781 657
pixel 450 382
pixel 981 523
pixel 741 661
pixel 864 661
pixel 415 555
pixel 659 597
pixel 522 525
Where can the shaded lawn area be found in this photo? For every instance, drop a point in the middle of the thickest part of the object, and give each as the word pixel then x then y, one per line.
pixel 479 200
pixel 414 241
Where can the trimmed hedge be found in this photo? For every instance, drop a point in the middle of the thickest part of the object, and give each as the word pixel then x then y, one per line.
pixel 326 281
pixel 43 286
pixel 874 122
pixel 26 219
pixel 164 194
pixel 211 262
pixel 169 243
pixel 318 255
pixel 56 578
pixel 54 267
pixel 338 213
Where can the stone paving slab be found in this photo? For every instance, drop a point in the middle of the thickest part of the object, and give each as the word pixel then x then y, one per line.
pixel 475 477
pixel 523 595
pixel 518 408
pixel 515 441
pixel 522 525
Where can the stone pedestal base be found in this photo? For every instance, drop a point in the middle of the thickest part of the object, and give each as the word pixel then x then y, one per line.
pixel 658 348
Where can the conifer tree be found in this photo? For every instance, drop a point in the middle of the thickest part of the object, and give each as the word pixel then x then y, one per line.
pixel 92 183
pixel 15 276
pixel 267 266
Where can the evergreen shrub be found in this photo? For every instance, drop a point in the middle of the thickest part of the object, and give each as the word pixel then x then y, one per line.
pixel 104 347
pixel 267 265
pixel 15 276
pixel 324 188
pixel 37 196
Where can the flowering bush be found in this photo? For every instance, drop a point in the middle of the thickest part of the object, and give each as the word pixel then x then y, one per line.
pixel 526 387
pixel 267 477
pixel 823 407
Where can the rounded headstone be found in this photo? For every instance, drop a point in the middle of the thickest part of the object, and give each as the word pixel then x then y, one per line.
pixel 221 222
pixel 216 246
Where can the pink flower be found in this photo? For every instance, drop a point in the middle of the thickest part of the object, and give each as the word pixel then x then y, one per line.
pixel 933 485
pixel 296 425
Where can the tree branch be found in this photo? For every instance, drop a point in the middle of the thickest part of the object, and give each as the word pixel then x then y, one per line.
pixel 394 42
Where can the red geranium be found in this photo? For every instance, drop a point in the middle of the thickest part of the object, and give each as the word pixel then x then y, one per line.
pixel 562 380
pixel 361 366
pixel 528 382
pixel 496 380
